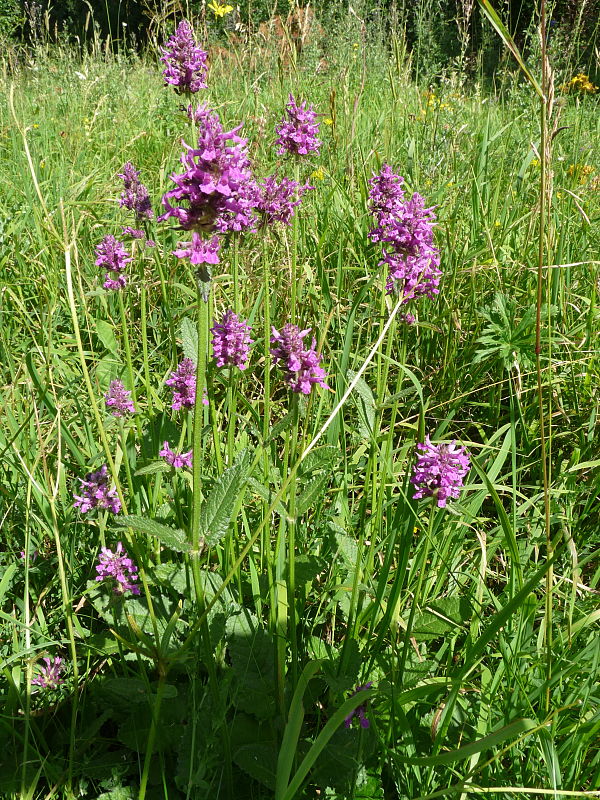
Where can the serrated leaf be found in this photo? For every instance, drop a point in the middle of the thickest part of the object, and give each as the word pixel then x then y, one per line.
pixel 365 403
pixel 321 458
pixel 280 427
pixel 189 339
pixel 266 495
pixel 259 760
pixel 252 653
pixel 313 492
pixel 105 332
pixel 219 505
pixel 150 469
pixel 444 615
pixel 172 538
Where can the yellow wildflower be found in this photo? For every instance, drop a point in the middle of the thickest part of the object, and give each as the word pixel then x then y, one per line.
pixel 318 174
pixel 219 10
pixel 328 121
pixel 580 83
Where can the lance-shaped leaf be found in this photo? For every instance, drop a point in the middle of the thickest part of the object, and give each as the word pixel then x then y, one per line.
pixel 220 504
pixel 172 538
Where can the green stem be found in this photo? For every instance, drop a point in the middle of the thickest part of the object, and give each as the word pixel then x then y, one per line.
pixel 129 361
pixel 417 595
pixel 545 145
pixel 152 733
pixel 291 571
pixel 294 298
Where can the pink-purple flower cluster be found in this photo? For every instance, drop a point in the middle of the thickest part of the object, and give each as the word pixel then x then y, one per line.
pixel 359 711
pixel 183 384
pixel 49 676
pixel 112 255
pixel 301 366
pixel 174 459
pixel 297 131
pixel 276 199
pixel 118 567
pixel 185 61
pixel 405 230
pixel 199 250
pixel 231 341
pixel 135 195
pixel 216 191
pixel 96 493
pixel 118 400
pixel 440 471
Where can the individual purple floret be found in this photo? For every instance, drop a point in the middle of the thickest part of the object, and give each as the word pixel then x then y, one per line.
pixel 135 195
pixel 276 200
pixel 359 711
pixel 135 233
pixel 176 460
pixel 183 383
pixel 302 367
pixel 49 676
pixel 405 229
pixel 199 250
pixel 440 471
pixel 231 341
pixel 119 567
pixel 216 192
pixel 118 400
pixel 297 132
pixel 185 61
pixel 32 556
pixel 96 493
pixel 112 255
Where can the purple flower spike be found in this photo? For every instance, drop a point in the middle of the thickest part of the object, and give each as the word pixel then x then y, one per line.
pixel 49 676
pixel 359 711
pixel 440 471
pixel 216 192
pixel 117 399
pixel 112 255
pixel 200 251
pixel 276 200
pixel 176 460
pixel 96 493
pixel 405 229
pixel 231 341
pixel 183 383
pixel 302 367
pixel 185 61
pixel 118 567
pixel 297 133
pixel 135 195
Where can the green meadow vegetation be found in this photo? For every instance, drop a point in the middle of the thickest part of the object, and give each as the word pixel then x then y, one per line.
pixel 290 578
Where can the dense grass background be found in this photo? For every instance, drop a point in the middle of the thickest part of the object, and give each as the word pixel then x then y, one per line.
pixel 474 684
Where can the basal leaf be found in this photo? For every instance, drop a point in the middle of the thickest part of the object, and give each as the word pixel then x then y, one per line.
pixel 172 538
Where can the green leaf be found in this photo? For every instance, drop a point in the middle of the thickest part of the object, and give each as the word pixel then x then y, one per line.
pixel 150 469
pixel 312 493
pixel 189 339
pixel 252 653
pixel 440 617
pixel 504 34
pixel 106 333
pixel 321 458
pixel 219 505
pixel 172 538
pixel 490 742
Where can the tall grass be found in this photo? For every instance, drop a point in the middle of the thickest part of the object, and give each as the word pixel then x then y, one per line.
pixel 293 564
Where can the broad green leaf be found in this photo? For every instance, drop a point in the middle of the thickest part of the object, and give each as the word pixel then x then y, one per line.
pixel 313 492
pixel 106 333
pixel 219 505
pixel 189 339
pixel 172 538
pixel 151 469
